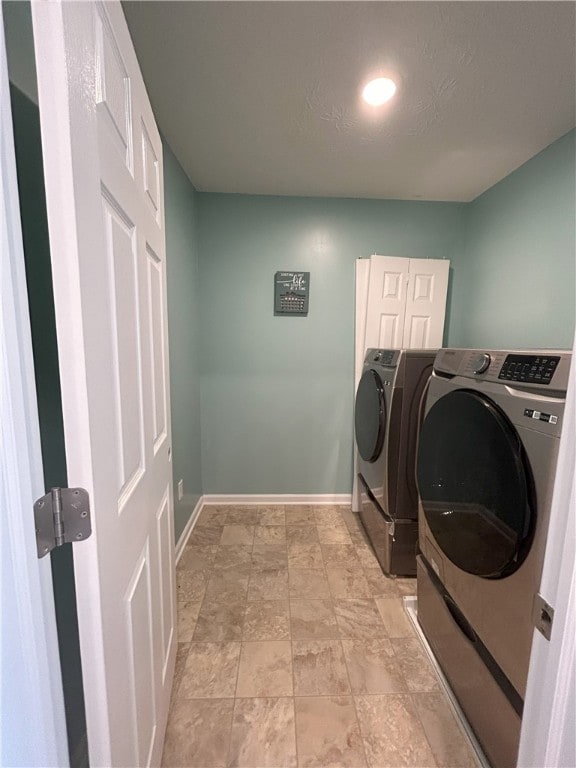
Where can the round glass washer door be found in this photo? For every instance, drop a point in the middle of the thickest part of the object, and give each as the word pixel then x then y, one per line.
pixel 475 484
pixel 370 416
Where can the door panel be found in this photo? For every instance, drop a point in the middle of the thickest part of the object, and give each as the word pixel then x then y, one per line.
pixel 426 303
pixel 103 168
pixel 386 302
pixel 406 302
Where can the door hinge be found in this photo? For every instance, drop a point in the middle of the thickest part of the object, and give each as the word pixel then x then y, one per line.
pixel 60 517
pixel 543 616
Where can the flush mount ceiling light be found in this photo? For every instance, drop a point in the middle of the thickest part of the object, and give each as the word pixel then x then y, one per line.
pixel 379 91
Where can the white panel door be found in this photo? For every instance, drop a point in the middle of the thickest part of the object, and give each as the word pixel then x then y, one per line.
pixel 386 302
pixel 104 186
pixel 33 725
pixel 425 303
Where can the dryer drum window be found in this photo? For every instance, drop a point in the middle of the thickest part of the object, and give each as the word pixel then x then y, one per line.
pixel 475 485
pixel 370 416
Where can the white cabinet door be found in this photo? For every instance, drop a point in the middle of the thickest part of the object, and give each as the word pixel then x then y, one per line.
pixel 425 303
pixel 387 285
pixel 406 302
pixel 104 189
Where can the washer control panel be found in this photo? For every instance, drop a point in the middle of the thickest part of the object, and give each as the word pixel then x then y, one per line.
pixel 537 369
pixel 382 356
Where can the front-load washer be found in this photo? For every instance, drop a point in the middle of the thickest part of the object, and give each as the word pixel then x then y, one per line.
pixel 388 411
pixel 485 470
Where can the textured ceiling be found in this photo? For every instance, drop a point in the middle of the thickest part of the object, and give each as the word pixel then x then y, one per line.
pixel 263 97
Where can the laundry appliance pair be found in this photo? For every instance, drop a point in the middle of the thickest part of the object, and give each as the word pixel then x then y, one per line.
pixel 486 464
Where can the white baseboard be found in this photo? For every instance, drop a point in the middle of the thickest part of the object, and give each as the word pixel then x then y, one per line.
pixel 185 535
pixel 278 498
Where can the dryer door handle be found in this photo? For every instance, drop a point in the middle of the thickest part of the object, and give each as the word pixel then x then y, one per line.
pixel 459 618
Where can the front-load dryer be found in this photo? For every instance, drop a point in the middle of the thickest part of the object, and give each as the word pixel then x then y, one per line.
pixel 388 411
pixel 485 471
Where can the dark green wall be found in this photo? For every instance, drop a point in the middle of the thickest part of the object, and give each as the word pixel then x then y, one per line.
pixel 26 121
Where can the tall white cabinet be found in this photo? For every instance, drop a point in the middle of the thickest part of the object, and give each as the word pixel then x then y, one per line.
pixel 400 303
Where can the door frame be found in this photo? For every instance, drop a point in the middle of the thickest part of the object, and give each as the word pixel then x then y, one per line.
pixel 548 735
pixel 34 726
pixel 29 617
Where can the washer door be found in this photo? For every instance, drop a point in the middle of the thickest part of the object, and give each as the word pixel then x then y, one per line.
pixel 370 416
pixel 475 484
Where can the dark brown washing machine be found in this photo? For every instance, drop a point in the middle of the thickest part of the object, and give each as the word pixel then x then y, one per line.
pixel 388 411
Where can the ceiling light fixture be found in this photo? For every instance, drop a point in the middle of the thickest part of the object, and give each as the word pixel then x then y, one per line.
pixel 379 91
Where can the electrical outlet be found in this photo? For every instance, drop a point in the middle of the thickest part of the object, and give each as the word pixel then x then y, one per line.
pixel 180 489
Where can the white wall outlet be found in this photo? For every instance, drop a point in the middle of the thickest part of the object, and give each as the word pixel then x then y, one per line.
pixel 180 489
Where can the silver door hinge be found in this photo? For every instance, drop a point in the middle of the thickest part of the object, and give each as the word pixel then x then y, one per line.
pixel 60 517
pixel 543 616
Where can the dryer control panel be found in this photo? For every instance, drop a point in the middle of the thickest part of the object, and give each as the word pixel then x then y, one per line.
pixel 535 369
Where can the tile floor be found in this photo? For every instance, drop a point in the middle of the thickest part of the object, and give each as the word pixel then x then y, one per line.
pixel 294 650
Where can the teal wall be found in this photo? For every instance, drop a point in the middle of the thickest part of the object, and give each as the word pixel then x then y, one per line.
pixel 277 392
pixel 514 280
pixel 183 327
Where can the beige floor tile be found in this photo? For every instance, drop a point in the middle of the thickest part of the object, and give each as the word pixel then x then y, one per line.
pixel 312 619
pixel 372 666
pixel 190 585
pixel 198 734
pixel 237 534
pixel 451 749
pixel 233 558
pixel 327 733
pixel 210 671
pixel 347 581
pixel 267 556
pixel 359 619
pixel 302 534
pixel 181 656
pixel 212 517
pixel 359 537
pixel 272 515
pixel 380 584
pixel 394 617
pixel 333 534
pixel 263 734
pixel 218 622
pixel 227 586
pixel 302 514
pixel 367 557
pixel 352 520
pixel 319 668
pixel 340 553
pixel 406 586
pixel 203 536
pixel 304 555
pixel 270 534
pixel 308 583
pixel 328 516
pixel 265 669
pixel 268 585
pixel 197 559
pixel 243 516
pixel 392 733
pixel 187 617
pixel 267 620
pixel 413 661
